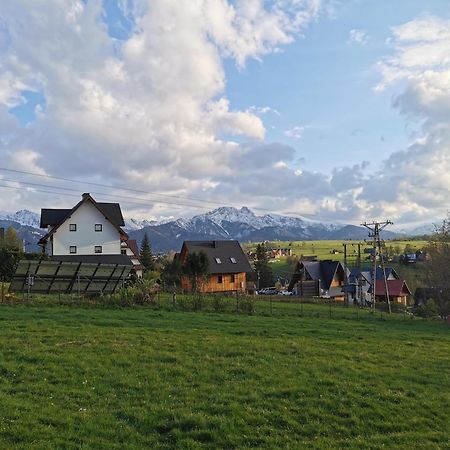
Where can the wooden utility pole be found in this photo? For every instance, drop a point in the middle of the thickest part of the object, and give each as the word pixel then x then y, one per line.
pixel 375 228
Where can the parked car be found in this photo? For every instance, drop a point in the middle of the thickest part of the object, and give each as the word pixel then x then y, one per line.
pixel 268 291
pixel 284 293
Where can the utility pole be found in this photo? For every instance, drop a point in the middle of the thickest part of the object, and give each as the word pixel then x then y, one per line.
pixel 374 232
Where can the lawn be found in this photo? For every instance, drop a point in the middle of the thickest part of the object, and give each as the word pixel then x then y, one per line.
pixel 141 378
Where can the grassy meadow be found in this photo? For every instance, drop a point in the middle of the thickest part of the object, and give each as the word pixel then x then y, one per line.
pixel 74 377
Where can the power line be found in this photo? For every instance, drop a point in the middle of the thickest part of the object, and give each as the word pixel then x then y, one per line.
pixel 179 203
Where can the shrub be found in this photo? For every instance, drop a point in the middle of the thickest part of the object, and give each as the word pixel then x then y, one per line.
pixel 427 310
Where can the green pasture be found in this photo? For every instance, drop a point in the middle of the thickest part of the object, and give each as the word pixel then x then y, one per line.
pixel 114 378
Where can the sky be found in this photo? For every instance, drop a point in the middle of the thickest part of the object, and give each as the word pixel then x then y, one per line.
pixel 334 110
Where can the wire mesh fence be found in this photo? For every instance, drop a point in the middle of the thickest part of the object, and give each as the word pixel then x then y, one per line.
pixel 234 303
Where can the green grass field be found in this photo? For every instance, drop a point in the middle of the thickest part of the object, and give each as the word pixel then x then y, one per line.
pixel 142 378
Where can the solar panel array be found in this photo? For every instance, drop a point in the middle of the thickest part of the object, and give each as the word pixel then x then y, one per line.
pixel 66 277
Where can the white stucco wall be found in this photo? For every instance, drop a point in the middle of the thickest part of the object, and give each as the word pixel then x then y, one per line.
pixel 86 238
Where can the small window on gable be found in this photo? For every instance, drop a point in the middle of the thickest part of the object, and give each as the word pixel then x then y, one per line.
pixel 72 227
pixel 218 260
pixel 233 260
pixel 73 249
pixel 123 252
pixel 98 227
pixel 98 249
pixel 219 279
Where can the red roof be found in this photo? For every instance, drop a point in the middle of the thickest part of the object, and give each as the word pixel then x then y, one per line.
pixel 396 288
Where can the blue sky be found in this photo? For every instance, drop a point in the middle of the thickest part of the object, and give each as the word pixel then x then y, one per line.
pixel 326 108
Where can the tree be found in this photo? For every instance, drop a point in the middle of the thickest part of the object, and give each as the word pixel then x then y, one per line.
pixel 196 267
pixel 171 273
pixel 145 254
pixel 262 267
pixel 438 265
pixel 10 254
pixel 11 240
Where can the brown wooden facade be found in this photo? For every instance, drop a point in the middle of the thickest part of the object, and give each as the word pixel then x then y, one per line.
pixel 227 282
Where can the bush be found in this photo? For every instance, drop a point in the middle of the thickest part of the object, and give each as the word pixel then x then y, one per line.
pixel 247 304
pixel 140 293
pixel 427 310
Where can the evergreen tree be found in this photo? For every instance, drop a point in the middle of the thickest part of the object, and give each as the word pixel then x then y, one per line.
pixel 262 267
pixel 196 267
pixel 145 254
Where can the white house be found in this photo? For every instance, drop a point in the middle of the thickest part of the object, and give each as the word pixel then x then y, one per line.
pixel 89 232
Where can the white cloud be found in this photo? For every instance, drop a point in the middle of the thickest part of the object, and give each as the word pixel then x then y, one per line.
pixel 295 132
pixel 358 36
pixel 150 111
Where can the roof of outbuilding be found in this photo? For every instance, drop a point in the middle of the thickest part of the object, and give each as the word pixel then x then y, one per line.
pixel 224 251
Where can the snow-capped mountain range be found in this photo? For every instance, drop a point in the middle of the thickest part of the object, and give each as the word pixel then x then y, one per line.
pixel 221 223
pixel 23 217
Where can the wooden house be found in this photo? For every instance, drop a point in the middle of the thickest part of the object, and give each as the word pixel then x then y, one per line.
pixel 398 291
pixel 319 279
pixel 228 266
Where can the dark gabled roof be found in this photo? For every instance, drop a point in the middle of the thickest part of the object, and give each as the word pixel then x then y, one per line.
pixel 53 216
pixel 367 273
pixel 318 270
pixel 122 260
pixel 224 250
pixel 56 216
pixel 111 211
pixel 328 269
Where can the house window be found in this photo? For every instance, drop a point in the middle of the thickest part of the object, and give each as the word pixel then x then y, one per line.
pixel 73 227
pixel 98 249
pixel 232 278
pixel 218 260
pixel 73 249
pixel 124 252
pixel 233 260
pixel 98 227
pixel 219 279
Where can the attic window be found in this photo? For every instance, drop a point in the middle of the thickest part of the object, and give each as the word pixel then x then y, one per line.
pixel 73 249
pixel 233 260
pixel 72 227
pixel 218 260
pixel 98 249
pixel 98 227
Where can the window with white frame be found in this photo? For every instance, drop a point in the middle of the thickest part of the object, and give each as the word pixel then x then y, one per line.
pixel 98 227
pixel 72 227
pixel 73 249
pixel 98 249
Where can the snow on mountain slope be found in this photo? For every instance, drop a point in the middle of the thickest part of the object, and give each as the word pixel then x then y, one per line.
pixel 24 217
